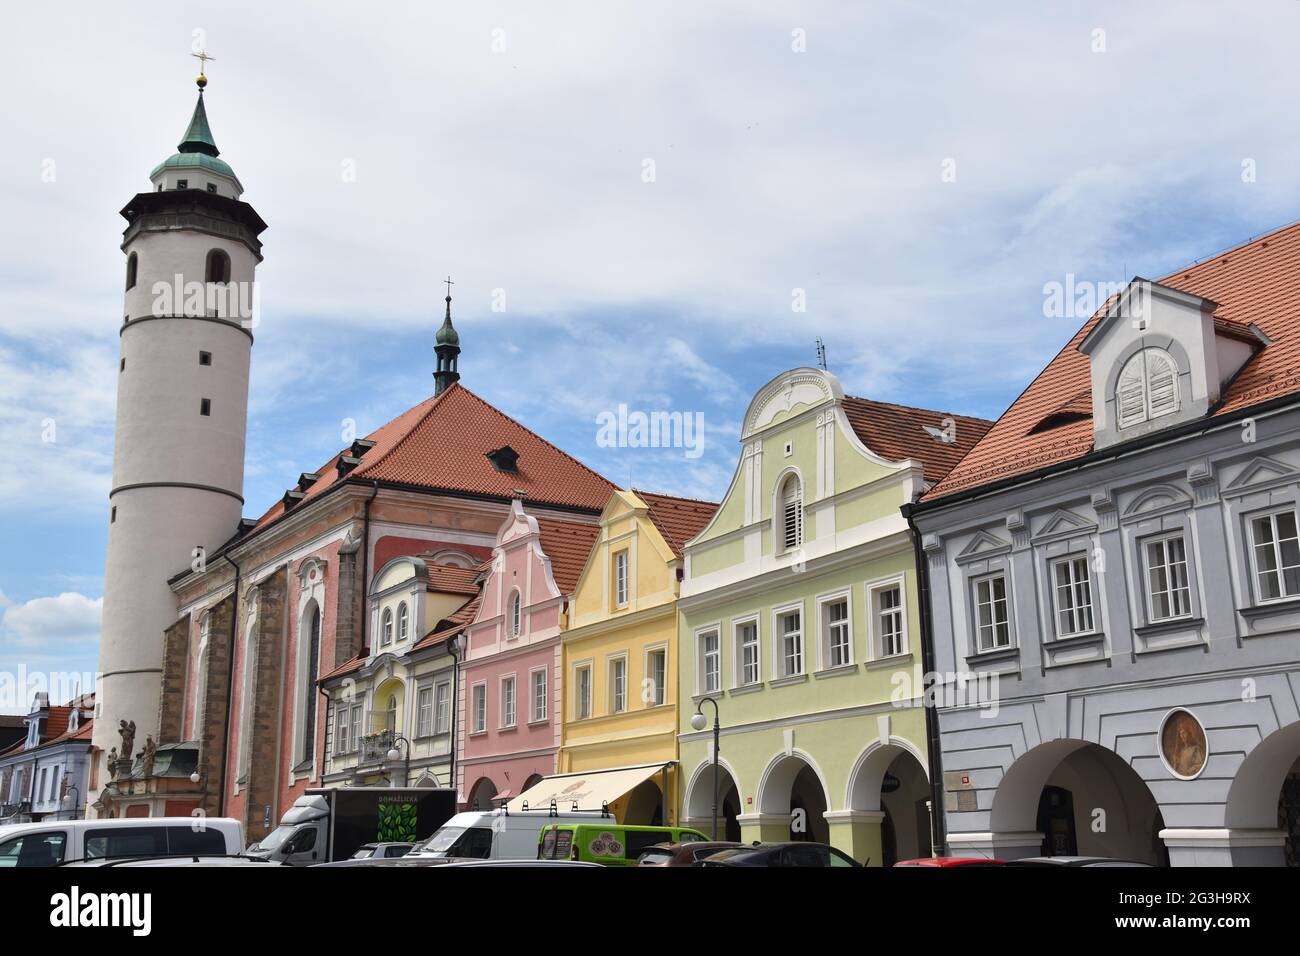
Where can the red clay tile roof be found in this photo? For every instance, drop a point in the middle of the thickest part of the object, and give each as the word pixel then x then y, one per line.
pixel 451 625
pixel 1256 283
pixel 897 432
pixel 57 722
pixel 568 545
pixel 448 579
pixel 442 443
pixel 678 519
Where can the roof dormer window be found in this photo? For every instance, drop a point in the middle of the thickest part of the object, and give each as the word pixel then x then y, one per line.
pixel 1147 387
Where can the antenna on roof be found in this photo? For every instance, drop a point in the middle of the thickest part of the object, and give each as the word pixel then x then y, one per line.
pixel 821 354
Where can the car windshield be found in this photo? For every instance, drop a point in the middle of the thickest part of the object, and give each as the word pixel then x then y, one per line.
pixel 740 856
pixel 365 853
pixel 275 839
pixel 655 857
pixel 443 840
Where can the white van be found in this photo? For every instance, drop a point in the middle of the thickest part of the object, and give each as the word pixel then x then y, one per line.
pixel 496 834
pixel 74 841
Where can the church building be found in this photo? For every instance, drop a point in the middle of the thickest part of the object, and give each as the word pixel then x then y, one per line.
pixel 218 629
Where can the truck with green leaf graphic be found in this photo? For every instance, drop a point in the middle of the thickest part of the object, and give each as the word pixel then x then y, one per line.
pixel 330 824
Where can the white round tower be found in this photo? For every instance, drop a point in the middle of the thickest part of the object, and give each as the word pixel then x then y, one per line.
pixel 191 248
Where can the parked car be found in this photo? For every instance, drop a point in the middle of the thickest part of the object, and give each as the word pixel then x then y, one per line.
pixel 682 854
pixel 950 861
pixel 383 851
pixel 188 859
pixel 411 860
pixel 1072 861
pixel 606 842
pixel 781 854
pixel 497 834
pixel 72 841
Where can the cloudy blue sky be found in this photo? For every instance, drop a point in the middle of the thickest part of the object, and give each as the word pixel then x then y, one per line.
pixel 919 169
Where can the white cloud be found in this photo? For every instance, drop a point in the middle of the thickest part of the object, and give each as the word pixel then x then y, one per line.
pixel 67 618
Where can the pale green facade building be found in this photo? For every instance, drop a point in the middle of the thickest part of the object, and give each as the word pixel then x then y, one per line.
pixel 799 618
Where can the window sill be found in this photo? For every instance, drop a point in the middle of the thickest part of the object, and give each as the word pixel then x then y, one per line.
pixel 1268 608
pixel 787 681
pixel 538 722
pixel 893 660
pixel 746 688
pixel 837 671
pixel 995 655
pixel 507 728
pixel 1170 624
pixel 1077 640
pixel 697 698
pixel 477 733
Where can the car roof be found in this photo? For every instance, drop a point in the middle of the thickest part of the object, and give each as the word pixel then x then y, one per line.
pixel 10 829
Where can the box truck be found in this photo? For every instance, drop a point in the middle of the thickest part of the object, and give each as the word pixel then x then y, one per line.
pixel 331 824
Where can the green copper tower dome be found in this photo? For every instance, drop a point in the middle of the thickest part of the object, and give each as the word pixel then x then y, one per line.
pixel 197 149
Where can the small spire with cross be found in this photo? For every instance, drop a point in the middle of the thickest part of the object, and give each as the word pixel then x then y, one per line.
pixel 203 57
pixel 449 285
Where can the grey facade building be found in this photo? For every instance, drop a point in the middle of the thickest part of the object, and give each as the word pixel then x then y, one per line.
pixel 1114 585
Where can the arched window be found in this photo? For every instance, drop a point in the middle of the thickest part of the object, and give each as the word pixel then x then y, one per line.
pixel 132 266
pixel 386 630
pixel 309 687
pixel 403 620
pixel 218 269
pixel 791 514
pixel 516 614
pixel 1147 387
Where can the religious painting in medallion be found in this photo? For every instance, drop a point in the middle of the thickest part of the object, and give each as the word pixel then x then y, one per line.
pixel 1183 744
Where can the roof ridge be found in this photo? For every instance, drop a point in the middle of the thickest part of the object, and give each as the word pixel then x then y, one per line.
pixel 661 494
pixel 433 401
pixel 918 408
pixel 518 424
pixel 1231 249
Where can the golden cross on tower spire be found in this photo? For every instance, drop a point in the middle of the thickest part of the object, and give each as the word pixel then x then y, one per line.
pixel 202 57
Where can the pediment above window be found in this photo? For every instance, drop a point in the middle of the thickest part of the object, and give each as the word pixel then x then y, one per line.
pixel 1063 523
pixel 983 544
pixel 1262 471
pixel 1157 499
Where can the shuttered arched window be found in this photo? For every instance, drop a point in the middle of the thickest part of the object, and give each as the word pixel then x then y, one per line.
pixel 1147 387
pixel 791 514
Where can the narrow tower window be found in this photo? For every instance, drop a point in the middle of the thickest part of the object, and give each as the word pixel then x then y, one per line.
pixel 122 366
pixel 205 406
pixel 132 265
pixel 218 266
pixel 205 358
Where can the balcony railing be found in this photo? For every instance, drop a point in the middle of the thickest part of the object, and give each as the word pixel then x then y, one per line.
pixel 375 746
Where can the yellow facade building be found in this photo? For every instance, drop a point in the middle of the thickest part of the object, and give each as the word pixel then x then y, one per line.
pixel 620 651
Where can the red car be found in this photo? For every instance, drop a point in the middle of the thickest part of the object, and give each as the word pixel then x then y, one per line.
pixel 950 861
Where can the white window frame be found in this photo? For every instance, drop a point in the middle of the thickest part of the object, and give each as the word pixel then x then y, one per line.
pixel 779 524
pixel 342 731
pixel 1070 562
pixel 477 709
pixel 738 670
pixel 442 707
pixel 509 688
pixel 582 697
pixel 844 596
pixel 876 633
pixel 1147 584
pixel 386 627
pixel 358 718
pixel 534 698
pixel 516 608
pixel 1271 515
pixel 660 696
pixel 701 659
pixel 612 689
pixel 403 621
pixel 778 640
pixel 423 721
pixel 974 585
pixel 622 563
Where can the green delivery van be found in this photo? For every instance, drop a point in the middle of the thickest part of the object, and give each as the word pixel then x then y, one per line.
pixel 606 842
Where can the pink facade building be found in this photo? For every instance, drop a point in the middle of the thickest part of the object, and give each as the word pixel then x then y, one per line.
pixel 510 693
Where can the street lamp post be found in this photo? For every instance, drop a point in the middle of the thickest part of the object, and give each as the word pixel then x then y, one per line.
pixel 394 755
pixel 698 722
